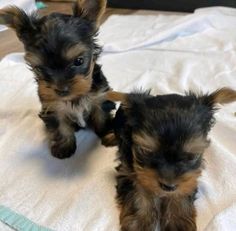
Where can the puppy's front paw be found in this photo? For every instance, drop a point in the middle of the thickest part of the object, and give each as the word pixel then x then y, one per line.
pixel 109 140
pixel 180 227
pixel 64 148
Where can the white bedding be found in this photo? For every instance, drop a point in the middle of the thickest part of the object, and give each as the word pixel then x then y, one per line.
pixel 165 52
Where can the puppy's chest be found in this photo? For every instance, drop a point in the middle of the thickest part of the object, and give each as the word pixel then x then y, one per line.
pixel 77 112
pixel 148 208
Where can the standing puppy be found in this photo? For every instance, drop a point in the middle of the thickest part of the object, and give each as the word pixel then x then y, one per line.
pixel 62 52
pixel 161 144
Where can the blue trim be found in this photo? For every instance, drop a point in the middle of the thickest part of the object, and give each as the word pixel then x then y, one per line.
pixel 18 222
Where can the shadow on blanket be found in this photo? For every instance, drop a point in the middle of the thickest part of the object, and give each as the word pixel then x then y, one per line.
pixel 68 168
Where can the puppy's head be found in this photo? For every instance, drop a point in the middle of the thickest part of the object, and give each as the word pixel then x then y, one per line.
pixel 60 49
pixel 163 138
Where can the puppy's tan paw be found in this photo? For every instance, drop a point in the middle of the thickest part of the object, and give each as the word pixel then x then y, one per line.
pixel 64 148
pixel 109 140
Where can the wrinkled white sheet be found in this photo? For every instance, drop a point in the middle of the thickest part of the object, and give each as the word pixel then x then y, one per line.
pixel 168 53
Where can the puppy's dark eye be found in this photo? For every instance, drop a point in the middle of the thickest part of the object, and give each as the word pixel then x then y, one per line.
pixel 142 155
pixel 143 150
pixel 192 158
pixel 79 61
pixel 37 69
pixel 44 72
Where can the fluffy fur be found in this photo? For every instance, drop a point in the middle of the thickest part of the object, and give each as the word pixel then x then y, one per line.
pixel 62 52
pixel 161 144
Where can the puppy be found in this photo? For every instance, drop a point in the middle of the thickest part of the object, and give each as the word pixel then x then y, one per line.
pixel 62 52
pixel 161 145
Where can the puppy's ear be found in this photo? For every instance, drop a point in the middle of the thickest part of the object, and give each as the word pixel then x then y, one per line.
pixel 17 19
pixel 92 10
pixel 222 96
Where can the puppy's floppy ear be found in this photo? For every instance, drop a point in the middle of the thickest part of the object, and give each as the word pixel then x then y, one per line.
pixel 222 96
pixel 90 9
pixel 17 19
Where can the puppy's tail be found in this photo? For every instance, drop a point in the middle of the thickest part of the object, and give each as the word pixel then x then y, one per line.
pixel 124 98
pixel 223 96
pixel 116 96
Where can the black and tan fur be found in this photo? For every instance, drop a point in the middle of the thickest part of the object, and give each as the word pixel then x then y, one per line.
pixel 62 51
pixel 161 144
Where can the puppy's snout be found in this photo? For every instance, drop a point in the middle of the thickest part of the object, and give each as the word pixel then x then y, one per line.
pixel 168 187
pixel 63 91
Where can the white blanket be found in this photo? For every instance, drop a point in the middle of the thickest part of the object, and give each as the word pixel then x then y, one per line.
pixel 167 53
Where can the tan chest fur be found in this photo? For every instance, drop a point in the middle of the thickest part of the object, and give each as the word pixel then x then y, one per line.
pixel 78 112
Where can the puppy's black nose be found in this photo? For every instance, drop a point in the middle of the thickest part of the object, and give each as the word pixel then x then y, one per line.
pixel 168 188
pixel 62 92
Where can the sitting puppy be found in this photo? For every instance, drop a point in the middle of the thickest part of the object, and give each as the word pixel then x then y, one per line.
pixel 161 144
pixel 62 52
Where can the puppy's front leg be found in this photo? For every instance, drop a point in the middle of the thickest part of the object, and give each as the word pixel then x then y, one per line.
pixel 137 219
pixel 61 134
pixel 178 214
pixel 101 122
pixel 138 211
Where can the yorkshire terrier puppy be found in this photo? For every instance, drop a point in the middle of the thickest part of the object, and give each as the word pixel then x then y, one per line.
pixel 161 144
pixel 62 52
